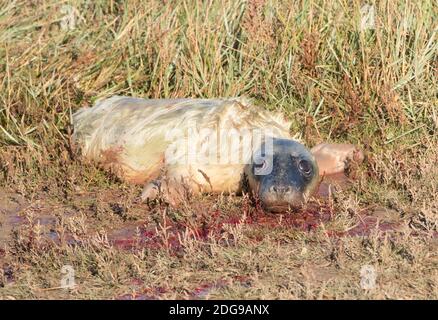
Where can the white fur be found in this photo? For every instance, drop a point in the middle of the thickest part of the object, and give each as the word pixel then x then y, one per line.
pixel 131 134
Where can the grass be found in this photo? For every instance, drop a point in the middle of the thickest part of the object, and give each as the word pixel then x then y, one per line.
pixel 309 59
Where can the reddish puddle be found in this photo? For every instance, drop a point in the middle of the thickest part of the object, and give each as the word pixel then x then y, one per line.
pixel 306 219
pixel 169 235
pixel 202 291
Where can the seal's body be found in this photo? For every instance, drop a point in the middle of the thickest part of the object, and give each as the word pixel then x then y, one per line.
pixel 204 144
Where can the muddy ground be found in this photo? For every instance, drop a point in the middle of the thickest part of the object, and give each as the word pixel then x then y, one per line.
pixel 323 250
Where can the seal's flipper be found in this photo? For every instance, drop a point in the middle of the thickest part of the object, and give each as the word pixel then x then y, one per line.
pixel 334 158
pixel 172 191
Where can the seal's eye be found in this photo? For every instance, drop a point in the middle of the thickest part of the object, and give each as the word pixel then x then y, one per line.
pixel 305 166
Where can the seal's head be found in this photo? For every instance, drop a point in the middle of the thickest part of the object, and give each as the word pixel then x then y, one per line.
pixel 282 174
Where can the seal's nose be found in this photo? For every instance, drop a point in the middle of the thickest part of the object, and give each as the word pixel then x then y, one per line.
pixel 281 190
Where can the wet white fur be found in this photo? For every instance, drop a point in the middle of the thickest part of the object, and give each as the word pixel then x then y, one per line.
pixel 129 134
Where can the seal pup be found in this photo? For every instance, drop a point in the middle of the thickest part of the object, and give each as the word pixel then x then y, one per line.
pixel 230 145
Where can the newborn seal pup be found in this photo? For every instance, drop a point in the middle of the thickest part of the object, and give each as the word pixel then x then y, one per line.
pixel 175 146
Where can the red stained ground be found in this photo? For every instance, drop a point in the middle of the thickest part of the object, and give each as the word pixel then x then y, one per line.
pixel 306 219
pixel 214 225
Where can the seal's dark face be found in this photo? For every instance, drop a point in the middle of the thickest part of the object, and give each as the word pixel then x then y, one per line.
pixel 282 174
